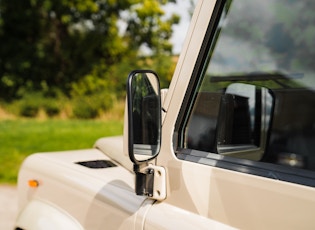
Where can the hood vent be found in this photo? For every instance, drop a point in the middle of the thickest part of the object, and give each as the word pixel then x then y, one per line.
pixel 97 164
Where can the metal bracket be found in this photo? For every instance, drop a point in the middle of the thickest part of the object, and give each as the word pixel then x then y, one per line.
pixel 151 182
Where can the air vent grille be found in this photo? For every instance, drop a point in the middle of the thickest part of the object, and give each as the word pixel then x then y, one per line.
pixel 97 164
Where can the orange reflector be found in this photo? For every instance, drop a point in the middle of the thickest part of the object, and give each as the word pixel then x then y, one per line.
pixel 33 183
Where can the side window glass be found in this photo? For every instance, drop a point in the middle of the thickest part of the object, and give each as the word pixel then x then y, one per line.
pixel 254 96
pixel 244 118
pixel 231 122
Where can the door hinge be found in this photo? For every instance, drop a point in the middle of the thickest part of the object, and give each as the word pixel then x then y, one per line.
pixel 151 182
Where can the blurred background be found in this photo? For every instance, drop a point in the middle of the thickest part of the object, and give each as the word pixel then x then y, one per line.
pixel 64 64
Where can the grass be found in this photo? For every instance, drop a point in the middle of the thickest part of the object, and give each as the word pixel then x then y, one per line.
pixel 20 138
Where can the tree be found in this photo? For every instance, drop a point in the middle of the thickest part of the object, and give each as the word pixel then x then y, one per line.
pixel 146 27
pixel 51 45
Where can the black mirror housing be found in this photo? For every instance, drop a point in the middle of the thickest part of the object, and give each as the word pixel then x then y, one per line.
pixel 144 115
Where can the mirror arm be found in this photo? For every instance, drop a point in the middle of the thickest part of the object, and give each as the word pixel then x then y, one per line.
pixel 144 181
pixel 150 181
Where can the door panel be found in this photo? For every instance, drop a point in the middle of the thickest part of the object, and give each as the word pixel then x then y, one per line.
pixel 166 216
pixel 237 199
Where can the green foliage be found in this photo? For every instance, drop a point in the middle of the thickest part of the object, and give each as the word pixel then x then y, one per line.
pixel 89 84
pixel 91 106
pixel 147 28
pixel 31 103
pixel 29 109
pixel 51 107
pixel 20 138
pixel 164 65
pixel 83 108
pixel 49 45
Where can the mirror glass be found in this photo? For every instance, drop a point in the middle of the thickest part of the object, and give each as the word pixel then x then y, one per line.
pixel 144 115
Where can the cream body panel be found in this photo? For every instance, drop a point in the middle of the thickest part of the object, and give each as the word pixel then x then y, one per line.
pixel 38 216
pixel 237 199
pixel 178 218
pixel 114 147
pixel 93 197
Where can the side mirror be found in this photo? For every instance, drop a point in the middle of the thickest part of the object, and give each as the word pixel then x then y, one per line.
pixel 144 115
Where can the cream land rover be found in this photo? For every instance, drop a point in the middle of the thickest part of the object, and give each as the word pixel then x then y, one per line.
pixel 230 144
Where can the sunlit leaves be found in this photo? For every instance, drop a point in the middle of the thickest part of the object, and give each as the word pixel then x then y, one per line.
pixel 58 43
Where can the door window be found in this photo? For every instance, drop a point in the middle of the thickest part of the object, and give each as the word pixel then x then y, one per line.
pixel 252 94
